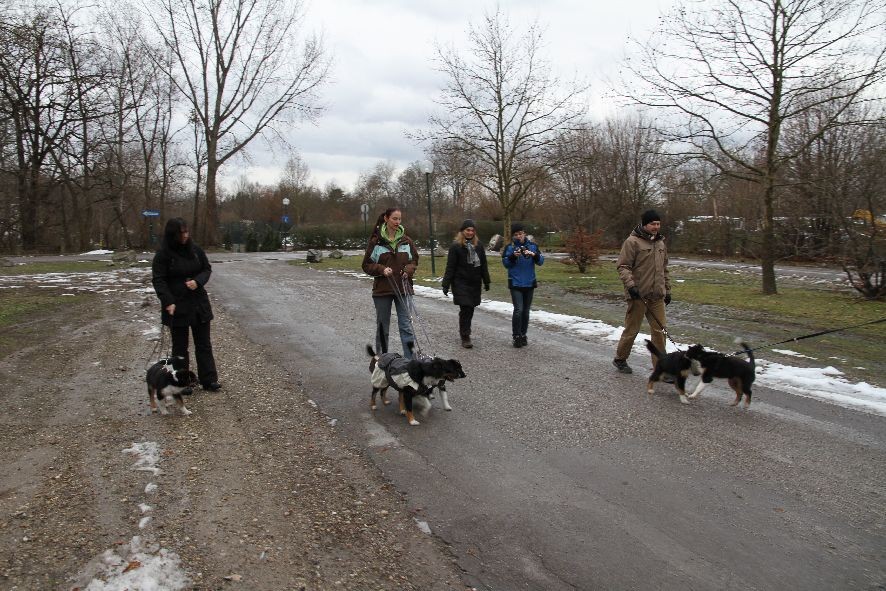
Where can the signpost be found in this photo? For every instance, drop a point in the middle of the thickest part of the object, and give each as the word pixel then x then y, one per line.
pixel 151 214
pixel 364 213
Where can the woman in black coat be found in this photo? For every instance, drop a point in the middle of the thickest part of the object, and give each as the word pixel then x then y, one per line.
pixel 466 271
pixel 179 272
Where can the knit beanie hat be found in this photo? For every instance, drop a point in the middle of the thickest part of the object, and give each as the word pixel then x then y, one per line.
pixel 467 224
pixel 649 216
pixel 517 227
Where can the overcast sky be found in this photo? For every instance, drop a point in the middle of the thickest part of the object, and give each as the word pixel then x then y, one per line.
pixel 383 82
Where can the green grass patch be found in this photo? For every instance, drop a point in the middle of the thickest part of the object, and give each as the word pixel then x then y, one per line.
pixel 65 267
pixel 726 289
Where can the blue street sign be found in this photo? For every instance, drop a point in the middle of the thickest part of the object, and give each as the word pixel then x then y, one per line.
pixel 150 213
pixel 285 219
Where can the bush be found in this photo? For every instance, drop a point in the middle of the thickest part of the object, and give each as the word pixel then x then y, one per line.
pixel 583 248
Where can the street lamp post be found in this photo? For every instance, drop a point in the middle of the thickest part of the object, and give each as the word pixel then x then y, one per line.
pixel 427 167
pixel 285 223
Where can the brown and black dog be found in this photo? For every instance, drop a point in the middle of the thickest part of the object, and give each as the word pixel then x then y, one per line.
pixel 411 378
pixel 738 373
pixel 676 364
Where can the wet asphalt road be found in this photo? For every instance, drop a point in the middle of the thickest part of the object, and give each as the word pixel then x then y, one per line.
pixel 555 472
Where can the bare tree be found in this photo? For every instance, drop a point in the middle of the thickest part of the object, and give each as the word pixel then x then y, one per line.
pixel 243 72
pixel 608 173
pixel 733 73
pixel 502 108
pixel 39 104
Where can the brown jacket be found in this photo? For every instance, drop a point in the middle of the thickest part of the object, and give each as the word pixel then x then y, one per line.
pixel 643 263
pixel 401 257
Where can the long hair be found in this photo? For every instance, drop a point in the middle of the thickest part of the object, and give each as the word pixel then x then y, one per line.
pixel 171 233
pixel 381 219
pixel 461 240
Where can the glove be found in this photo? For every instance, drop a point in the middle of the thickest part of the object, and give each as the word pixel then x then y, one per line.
pixel 634 293
pixel 486 286
pixel 513 256
pixel 446 291
pixel 667 299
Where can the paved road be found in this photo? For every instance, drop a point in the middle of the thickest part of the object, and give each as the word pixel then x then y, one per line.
pixel 554 472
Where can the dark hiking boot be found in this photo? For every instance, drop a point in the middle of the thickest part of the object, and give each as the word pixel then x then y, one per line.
pixel 466 342
pixel 622 366
pixel 518 342
pixel 523 341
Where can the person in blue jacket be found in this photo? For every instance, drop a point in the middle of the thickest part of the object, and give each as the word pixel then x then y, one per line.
pixel 520 258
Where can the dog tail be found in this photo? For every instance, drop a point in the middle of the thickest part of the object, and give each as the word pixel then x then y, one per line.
pixel 750 353
pixel 653 349
pixel 370 351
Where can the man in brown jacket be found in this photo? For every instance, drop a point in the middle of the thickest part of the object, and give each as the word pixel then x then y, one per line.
pixel 643 268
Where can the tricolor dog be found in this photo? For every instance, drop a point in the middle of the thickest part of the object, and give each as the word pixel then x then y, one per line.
pixel 676 364
pixel 739 373
pixel 412 378
pixel 167 379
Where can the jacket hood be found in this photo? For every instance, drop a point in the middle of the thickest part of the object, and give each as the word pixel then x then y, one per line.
pixel 641 233
pixel 382 234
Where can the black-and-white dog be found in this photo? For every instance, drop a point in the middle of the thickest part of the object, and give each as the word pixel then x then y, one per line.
pixel 168 379
pixel 738 373
pixel 413 379
pixel 677 364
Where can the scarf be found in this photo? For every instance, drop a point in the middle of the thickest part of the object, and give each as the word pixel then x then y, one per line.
pixel 473 257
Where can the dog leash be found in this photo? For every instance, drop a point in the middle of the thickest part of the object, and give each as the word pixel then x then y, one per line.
pixel 401 293
pixel 660 325
pixel 157 351
pixel 809 336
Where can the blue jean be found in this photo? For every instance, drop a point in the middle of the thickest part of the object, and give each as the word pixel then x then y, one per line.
pixel 383 324
pixel 522 299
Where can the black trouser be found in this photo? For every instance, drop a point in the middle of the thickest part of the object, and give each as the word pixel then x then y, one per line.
pixel 465 314
pixel 206 371
pixel 522 299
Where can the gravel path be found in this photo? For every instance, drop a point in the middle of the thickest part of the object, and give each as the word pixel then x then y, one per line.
pixel 255 490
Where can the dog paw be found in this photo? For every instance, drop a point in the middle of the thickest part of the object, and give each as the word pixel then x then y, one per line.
pixel 447 407
pixel 684 399
pixel 185 411
pixel 734 403
pixel 402 413
pixel 413 422
pixel 693 395
pixel 154 411
pixel 372 407
pixel 386 402
pixel 650 392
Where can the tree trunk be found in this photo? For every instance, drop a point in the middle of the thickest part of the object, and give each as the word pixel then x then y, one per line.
pixel 210 209
pixel 767 259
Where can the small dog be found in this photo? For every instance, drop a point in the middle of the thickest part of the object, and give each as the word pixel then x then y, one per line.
pixel 413 379
pixel 676 364
pixel 167 379
pixel 738 373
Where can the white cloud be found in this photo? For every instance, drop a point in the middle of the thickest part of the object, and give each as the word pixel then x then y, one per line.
pixel 384 82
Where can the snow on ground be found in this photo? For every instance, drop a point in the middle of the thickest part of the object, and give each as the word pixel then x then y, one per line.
pixel 821 383
pixel 140 564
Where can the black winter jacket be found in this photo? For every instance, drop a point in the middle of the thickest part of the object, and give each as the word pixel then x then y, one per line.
pixel 463 278
pixel 170 269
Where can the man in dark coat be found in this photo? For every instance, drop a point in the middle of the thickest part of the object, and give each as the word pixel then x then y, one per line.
pixel 466 271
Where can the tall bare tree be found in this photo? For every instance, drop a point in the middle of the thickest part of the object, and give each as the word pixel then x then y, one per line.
pixel 244 72
pixel 735 72
pixel 502 107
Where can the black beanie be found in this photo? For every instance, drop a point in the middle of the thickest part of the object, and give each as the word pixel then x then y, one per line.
pixel 467 224
pixel 648 216
pixel 517 227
